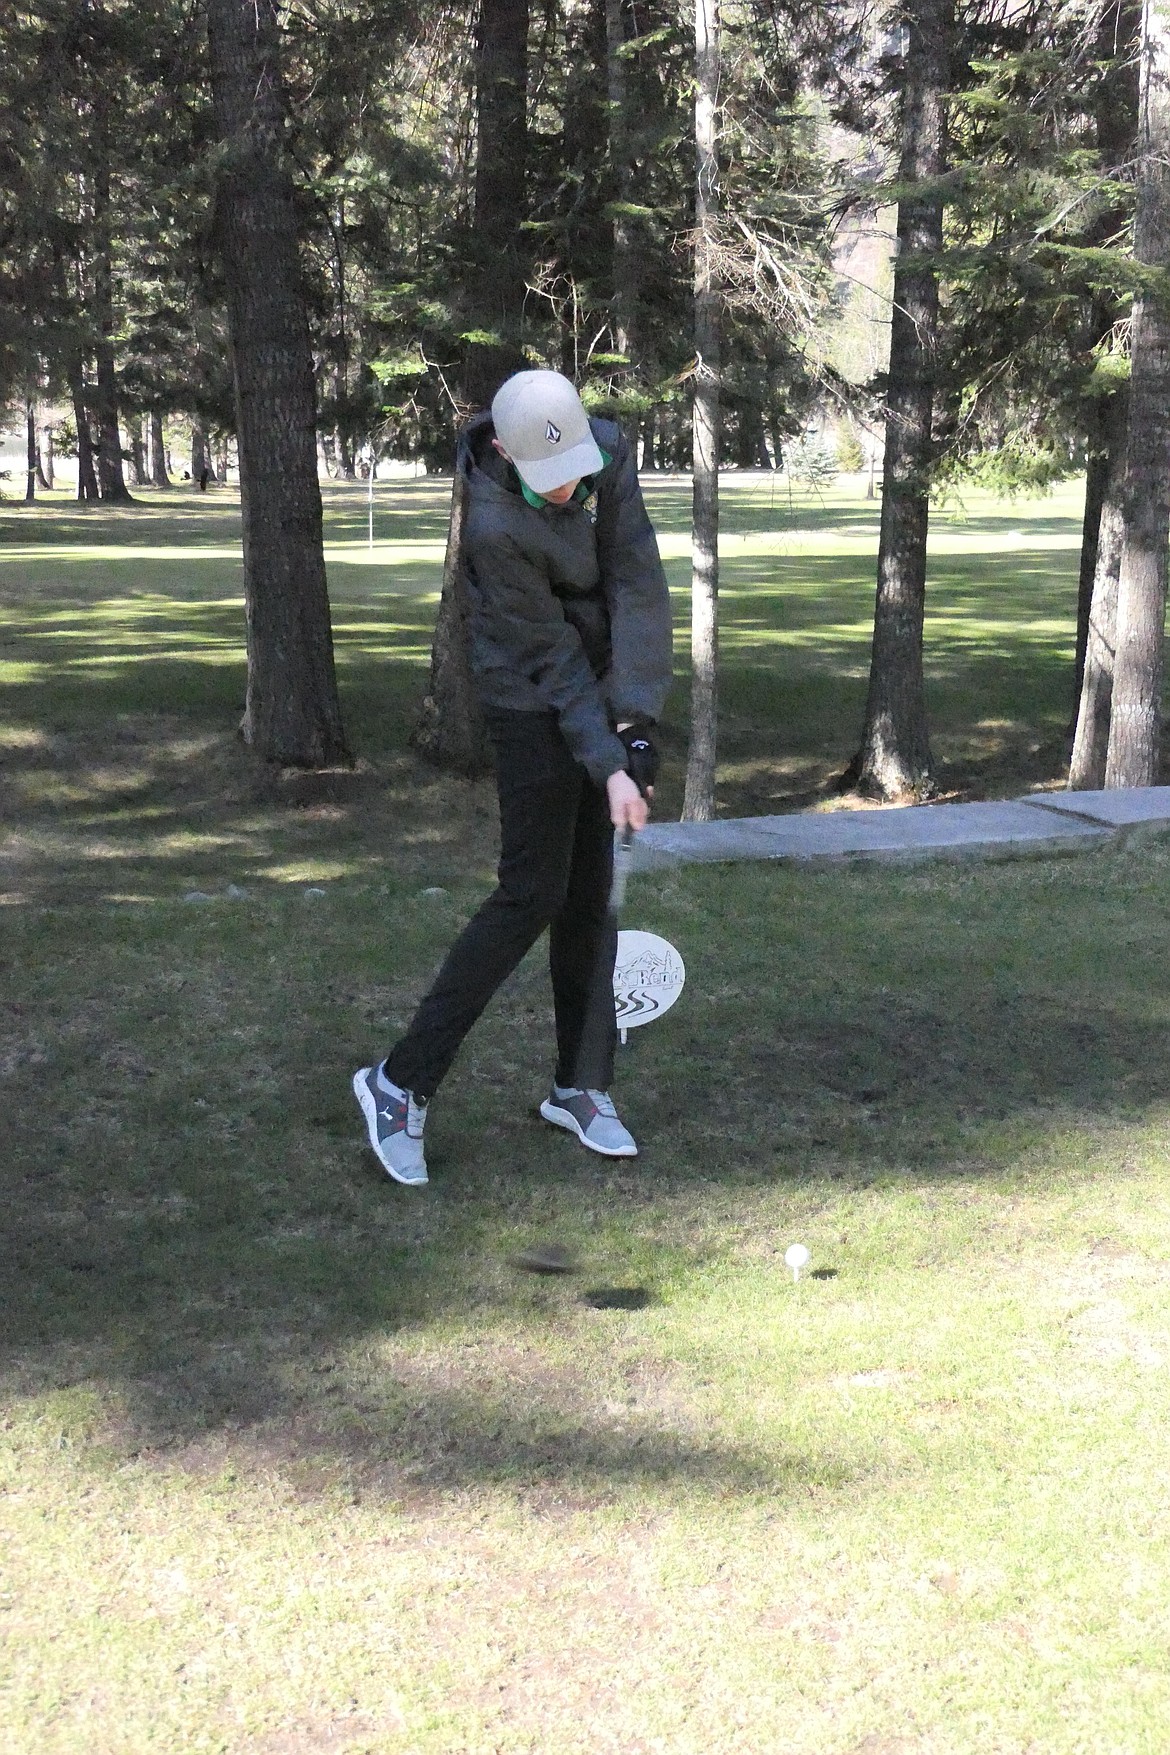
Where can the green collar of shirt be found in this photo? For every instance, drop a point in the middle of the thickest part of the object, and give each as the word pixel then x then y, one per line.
pixel 584 487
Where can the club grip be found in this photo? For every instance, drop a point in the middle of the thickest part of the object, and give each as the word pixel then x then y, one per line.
pixel 623 859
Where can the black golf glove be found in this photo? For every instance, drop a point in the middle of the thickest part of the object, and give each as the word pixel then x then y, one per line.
pixel 641 754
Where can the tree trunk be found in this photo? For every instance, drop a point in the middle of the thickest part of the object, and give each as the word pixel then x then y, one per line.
pixel 501 166
pixel 451 729
pixel 111 479
pixel 345 445
pixel 292 713
pixel 751 452
pixel 1116 121
pixel 45 471
pixel 627 290
pixel 199 460
pixel 87 483
pixel 138 471
pixel 779 441
pixel 42 478
pixel 649 433
pixel 584 252
pixel 894 758
pixel 699 795
pixel 1136 718
pixel 1096 482
pixel 30 428
pixel 158 451
pixel 1101 545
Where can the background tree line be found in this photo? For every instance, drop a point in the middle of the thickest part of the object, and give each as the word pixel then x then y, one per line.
pixel 335 227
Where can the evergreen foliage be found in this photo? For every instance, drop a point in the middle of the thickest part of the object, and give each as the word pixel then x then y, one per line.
pixel 105 94
pixel 473 190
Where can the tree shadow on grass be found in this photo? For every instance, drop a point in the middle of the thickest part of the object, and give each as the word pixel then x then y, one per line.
pixel 194 1228
pixel 431 1443
pixel 285 1330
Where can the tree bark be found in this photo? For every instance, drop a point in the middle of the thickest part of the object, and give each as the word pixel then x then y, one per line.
pixel 87 483
pixel 158 451
pixel 649 439
pixel 583 257
pixel 894 759
pixel 345 444
pixel 199 458
pixel 1136 719
pixel 627 289
pixel 1096 480
pixel 33 459
pixel 1116 120
pixel 138 475
pixel 501 175
pixel 1101 546
pixel 751 451
pixel 45 474
pixel 111 478
pixel 699 794
pixel 292 714
pixel 451 729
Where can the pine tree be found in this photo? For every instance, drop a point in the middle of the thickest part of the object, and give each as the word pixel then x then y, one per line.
pixel 292 714
pixel 699 798
pixel 451 730
pixel 1136 715
pixel 894 758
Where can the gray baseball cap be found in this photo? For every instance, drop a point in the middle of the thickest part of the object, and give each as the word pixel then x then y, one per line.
pixel 541 424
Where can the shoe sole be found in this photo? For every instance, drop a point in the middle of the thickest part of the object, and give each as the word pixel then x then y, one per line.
pixel 566 1119
pixel 370 1110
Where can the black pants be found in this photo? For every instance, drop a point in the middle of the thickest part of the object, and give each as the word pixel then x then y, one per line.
pixel 556 864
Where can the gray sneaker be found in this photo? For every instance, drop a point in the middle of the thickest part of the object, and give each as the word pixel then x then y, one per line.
pixel 592 1117
pixel 395 1126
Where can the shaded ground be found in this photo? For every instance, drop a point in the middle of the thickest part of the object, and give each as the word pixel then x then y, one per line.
pixel 122 664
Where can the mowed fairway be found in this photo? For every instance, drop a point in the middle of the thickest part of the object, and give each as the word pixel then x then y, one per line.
pixel 293 1460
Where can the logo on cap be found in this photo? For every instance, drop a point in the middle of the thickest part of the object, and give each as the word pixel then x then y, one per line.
pixel 552 434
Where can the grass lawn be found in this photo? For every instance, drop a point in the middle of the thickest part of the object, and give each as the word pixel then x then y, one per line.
pixel 293 1460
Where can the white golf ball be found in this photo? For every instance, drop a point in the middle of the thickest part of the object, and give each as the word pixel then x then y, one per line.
pixel 796 1256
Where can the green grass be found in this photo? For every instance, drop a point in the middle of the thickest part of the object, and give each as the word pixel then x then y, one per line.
pixel 292 1460
pixel 107 613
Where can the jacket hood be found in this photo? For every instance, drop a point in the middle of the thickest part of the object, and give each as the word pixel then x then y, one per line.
pixel 474 449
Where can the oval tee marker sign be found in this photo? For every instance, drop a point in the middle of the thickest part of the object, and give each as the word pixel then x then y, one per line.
pixel 648 976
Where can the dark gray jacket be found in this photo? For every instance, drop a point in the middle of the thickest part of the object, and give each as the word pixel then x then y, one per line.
pixel 569 606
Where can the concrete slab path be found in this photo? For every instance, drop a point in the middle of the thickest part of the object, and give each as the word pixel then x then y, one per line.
pixel 1124 807
pixel 1043 823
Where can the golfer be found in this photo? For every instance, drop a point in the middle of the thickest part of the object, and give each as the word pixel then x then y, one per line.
pixel 570 647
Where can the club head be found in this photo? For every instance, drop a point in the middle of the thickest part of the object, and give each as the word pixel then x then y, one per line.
pixel 544 1258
